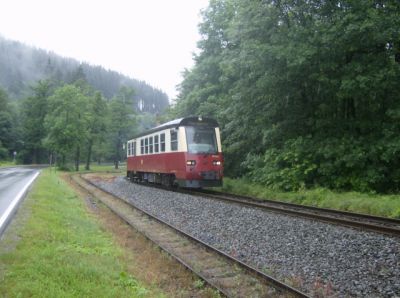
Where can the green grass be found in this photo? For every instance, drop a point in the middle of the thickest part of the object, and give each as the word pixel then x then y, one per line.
pixel 62 251
pixel 105 168
pixel 94 167
pixel 375 204
pixel 7 163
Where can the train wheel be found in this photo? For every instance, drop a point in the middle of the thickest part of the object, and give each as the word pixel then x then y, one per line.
pixel 139 177
pixel 167 180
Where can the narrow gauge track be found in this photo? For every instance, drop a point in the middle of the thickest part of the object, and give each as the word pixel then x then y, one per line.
pixel 389 226
pixel 227 274
pixel 358 220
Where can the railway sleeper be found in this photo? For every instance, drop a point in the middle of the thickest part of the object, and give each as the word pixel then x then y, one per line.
pixel 174 244
pixel 227 277
pixel 227 282
pixel 221 274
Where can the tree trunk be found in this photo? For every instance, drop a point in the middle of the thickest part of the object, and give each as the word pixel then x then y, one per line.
pixel 116 162
pixel 89 156
pixel 77 157
pixel 61 163
pixel 35 156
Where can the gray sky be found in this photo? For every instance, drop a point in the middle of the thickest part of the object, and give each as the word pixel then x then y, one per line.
pixel 149 40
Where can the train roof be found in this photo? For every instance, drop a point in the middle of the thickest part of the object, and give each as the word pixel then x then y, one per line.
pixel 187 121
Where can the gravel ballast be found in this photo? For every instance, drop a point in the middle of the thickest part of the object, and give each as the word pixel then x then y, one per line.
pixel 317 257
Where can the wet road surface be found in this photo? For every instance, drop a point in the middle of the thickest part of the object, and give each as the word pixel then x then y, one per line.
pixel 14 183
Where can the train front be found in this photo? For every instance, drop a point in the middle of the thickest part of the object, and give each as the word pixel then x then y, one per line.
pixel 204 159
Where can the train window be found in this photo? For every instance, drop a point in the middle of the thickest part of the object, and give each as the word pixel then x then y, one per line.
pixel 151 145
pixel 156 144
pixel 174 139
pixel 201 139
pixel 134 148
pixel 162 142
pixel 146 145
pixel 129 148
pixel 142 146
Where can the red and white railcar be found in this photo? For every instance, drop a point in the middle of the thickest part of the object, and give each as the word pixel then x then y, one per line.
pixel 186 152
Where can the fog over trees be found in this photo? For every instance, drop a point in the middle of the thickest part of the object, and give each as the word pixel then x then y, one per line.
pixel 22 66
pixel 55 109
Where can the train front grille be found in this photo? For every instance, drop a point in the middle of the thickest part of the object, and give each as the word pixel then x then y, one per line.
pixel 209 175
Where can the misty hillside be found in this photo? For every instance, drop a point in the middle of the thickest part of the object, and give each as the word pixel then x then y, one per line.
pixel 21 66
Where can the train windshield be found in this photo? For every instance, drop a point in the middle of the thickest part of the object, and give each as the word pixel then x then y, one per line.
pixel 201 140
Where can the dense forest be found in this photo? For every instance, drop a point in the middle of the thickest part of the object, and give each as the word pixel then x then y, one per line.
pixel 22 66
pixel 67 123
pixel 307 92
pixel 56 110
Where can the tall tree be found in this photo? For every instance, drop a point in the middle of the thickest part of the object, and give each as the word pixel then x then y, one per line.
pixel 311 85
pixel 96 124
pixel 34 110
pixel 10 129
pixel 6 126
pixel 66 122
pixel 122 121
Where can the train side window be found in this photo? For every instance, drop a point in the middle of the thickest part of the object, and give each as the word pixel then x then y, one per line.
pixel 142 146
pixel 129 149
pixel 146 145
pixel 156 146
pixel 151 145
pixel 133 150
pixel 162 142
pixel 174 139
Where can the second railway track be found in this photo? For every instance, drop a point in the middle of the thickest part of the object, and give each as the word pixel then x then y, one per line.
pixel 385 225
pixel 315 256
pixel 229 275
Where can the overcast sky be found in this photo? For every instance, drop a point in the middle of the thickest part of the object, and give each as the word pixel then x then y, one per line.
pixel 149 40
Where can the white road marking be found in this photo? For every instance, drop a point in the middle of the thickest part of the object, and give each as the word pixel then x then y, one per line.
pixel 9 210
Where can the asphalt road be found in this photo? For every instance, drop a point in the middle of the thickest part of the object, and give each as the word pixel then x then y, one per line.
pixel 14 182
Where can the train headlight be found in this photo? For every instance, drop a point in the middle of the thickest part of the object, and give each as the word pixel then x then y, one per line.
pixel 191 162
pixel 216 163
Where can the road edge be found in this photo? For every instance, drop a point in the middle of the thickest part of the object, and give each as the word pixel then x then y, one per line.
pixel 6 218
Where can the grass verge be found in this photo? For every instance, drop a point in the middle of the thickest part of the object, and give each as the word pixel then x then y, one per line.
pixel 143 258
pixel 96 168
pixel 6 163
pixel 375 204
pixel 61 250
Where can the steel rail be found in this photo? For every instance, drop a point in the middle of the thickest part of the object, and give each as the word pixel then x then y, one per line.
pixel 125 219
pixel 275 282
pixel 385 225
pixel 381 224
pixel 333 211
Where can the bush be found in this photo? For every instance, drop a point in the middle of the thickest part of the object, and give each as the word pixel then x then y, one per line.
pixel 337 163
pixel 3 152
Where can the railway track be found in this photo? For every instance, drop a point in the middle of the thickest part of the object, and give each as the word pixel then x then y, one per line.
pixel 389 226
pixel 227 274
pixel 356 220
